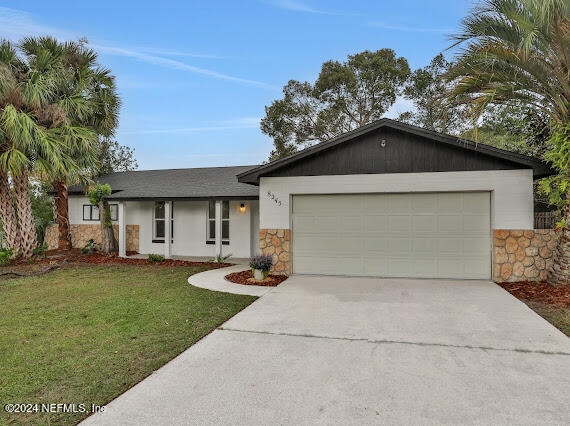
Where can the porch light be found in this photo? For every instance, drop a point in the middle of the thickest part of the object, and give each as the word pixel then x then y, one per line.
pixel 242 208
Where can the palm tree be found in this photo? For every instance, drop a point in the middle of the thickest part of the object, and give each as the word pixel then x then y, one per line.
pixel 28 88
pixel 518 52
pixel 87 104
pixel 9 64
pixel 26 146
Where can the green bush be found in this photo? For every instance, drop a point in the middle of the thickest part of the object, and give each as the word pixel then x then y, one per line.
pixel 41 250
pixel 221 258
pixel 155 258
pixel 88 248
pixel 5 257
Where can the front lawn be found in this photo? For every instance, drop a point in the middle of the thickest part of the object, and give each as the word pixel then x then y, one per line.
pixel 550 302
pixel 86 334
pixel 558 316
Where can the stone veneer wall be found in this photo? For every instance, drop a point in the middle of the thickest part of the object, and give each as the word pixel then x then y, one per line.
pixel 80 234
pixel 277 243
pixel 521 255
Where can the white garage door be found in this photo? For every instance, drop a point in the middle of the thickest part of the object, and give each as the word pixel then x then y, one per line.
pixel 428 235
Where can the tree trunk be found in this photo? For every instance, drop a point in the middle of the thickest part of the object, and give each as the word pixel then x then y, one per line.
pixel 61 211
pixel 108 241
pixel 8 215
pixel 28 234
pixel 560 273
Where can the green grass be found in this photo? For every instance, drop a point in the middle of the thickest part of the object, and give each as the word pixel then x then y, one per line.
pixel 555 315
pixel 87 334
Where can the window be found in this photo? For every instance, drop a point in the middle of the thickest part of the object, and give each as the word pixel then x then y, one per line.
pixel 159 222
pixel 211 231
pixel 91 212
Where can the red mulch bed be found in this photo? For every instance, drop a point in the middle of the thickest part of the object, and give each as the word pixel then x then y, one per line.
pixel 75 256
pixel 540 292
pixel 246 278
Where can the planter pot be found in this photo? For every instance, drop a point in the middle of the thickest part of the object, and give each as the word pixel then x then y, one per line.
pixel 259 275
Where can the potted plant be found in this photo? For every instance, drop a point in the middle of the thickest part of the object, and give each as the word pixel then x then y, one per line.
pixel 260 265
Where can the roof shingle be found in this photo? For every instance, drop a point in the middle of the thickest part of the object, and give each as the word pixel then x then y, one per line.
pixel 195 183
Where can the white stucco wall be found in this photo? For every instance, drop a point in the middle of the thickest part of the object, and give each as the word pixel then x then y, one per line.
pixel 511 192
pixel 190 221
pixel 76 210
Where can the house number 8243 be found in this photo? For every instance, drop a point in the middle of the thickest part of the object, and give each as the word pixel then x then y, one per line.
pixel 273 198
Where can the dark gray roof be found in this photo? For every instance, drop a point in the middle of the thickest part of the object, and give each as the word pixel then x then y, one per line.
pixel 315 152
pixel 198 183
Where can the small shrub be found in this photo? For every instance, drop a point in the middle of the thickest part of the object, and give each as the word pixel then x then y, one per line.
pixel 221 258
pixel 262 262
pixel 5 257
pixel 155 258
pixel 88 248
pixel 40 251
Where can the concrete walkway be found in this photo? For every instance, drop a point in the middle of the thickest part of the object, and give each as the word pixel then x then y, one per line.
pixel 354 351
pixel 214 280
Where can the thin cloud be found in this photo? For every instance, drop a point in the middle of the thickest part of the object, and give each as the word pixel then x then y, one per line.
pixel 238 123
pixel 174 64
pixel 297 6
pixel 405 28
pixel 15 24
pixel 164 52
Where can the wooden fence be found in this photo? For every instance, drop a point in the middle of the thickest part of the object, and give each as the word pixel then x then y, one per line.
pixel 546 220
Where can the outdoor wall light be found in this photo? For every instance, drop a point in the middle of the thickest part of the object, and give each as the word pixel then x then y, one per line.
pixel 242 208
pixel 383 143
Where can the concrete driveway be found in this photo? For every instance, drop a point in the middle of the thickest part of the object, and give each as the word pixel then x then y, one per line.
pixel 319 350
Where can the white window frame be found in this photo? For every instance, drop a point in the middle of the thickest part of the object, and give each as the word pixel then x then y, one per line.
pixel 155 238
pixel 211 239
pixel 95 217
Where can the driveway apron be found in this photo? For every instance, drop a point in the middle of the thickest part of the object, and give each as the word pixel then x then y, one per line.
pixel 337 350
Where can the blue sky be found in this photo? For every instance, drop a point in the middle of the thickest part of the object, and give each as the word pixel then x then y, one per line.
pixel 195 76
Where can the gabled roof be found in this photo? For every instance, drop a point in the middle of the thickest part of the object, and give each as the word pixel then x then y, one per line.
pixel 454 154
pixel 168 184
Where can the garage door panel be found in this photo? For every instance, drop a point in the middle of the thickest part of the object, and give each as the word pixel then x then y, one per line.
pixel 303 224
pixel 350 223
pixel 377 245
pixel 374 204
pixel 375 265
pixel 310 243
pixel 400 224
pixel 424 246
pixel 330 265
pixel 399 203
pixel 450 246
pixel 376 224
pixel 424 224
pixel 431 235
pixel 474 246
pixel 423 267
pixel 320 203
pixel 476 203
pixel 399 267
pixel 449 204
pixel 424 203
pixel 451 266
pixel 475 224
pixel 399 246
pixel 472 267
pixel 448 224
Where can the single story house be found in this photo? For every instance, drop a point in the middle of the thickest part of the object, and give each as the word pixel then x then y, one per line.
pixel 388 199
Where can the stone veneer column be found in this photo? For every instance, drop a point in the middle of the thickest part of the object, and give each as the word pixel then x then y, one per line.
pixel 277 243
pixel 523 254
pixel 80 234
